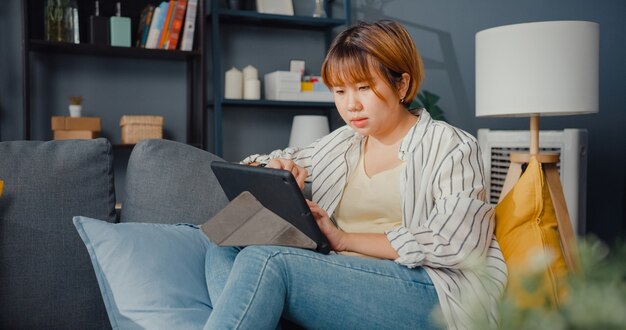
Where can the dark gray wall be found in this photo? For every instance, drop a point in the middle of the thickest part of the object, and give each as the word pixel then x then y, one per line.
pixel 443 30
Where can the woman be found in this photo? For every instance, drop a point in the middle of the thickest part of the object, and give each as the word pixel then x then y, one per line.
pixel 402 192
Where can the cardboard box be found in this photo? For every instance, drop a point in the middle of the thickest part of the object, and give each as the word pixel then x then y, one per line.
pixel 76 123
pixel 74 134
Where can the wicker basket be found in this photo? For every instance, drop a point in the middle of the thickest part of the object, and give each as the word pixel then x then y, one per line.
pixel 135 128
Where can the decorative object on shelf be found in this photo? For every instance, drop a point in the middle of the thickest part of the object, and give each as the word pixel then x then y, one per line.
pixel 250 72
pixel 136 128
pixel 251 83
pixel 287 86
pixel 428 101
pixel 70 19
pixel 306 129
pixel 76 106
pixel 120 28
pixel 233 84
pixel 252 89
pixel 54 20
pixel 533 69
pixel 297 66
pixel 319 9
pixel 98 27
pixel 64 128
pixel 278 7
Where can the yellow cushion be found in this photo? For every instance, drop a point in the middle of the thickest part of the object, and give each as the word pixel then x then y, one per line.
pixel 1 187
pixel 526 228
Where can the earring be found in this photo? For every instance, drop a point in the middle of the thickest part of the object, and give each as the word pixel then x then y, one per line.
pixel 402 100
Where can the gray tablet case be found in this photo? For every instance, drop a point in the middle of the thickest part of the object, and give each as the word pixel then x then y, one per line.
pixel 267 208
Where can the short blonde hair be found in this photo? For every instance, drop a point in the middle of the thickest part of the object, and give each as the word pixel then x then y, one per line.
pixel 384 46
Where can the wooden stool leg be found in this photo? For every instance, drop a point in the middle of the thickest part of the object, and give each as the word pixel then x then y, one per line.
pixel 568 238
pixel 512 176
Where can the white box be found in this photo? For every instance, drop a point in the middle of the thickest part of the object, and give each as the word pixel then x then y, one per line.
pixel 284 81
pixel 285 86
pixel 278 95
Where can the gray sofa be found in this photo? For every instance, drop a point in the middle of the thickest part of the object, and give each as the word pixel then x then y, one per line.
pixel 46 278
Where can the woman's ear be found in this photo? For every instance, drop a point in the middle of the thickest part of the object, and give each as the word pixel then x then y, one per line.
pixel 403 85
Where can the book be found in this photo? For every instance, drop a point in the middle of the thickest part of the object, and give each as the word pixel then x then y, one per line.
pixel 157 24
pixel 144 25
pixel 177 24
pixel 165 31
pixel 190 25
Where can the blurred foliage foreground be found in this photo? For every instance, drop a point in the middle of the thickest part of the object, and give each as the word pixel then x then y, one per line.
pixel 596 297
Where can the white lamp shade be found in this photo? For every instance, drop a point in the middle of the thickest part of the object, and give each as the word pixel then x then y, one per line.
pixel 545 68
pixel 306 129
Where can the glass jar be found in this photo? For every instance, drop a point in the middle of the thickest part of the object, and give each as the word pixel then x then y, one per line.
pixel 54 21
pixel 319 9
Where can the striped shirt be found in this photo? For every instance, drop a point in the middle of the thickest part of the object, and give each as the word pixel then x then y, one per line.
pixel 447 226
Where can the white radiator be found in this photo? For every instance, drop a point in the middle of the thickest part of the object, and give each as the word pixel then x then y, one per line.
pixel 571 144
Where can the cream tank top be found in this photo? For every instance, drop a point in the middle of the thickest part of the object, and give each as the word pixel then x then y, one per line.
pixel 370 205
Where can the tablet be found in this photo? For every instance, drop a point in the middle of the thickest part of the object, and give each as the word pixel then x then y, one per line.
pixel 277 190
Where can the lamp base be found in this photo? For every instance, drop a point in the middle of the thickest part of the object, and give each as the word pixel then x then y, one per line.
pixel 553 180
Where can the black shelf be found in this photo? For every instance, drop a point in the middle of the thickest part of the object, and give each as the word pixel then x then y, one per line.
pixel 33 42
pixel 50 47
pixel 284 21
pixel 219 16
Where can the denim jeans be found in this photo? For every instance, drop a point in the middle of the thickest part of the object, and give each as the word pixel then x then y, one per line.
pixel 253 287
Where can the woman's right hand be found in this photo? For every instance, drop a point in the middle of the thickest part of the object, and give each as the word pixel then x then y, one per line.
pixel 299 172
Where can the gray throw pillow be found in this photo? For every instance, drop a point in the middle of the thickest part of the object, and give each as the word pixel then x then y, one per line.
pixel 170 182
pixel 46 277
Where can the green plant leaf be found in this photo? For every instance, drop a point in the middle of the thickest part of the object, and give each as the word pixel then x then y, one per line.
pixel 428 101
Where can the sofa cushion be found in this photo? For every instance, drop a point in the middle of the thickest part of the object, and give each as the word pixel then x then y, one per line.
pixel 46 277
pixel 151 275
pixel 170 182
pixel 526 228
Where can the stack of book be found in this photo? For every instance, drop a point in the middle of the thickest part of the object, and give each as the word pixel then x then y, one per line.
pixel 65 128
pixel 170 25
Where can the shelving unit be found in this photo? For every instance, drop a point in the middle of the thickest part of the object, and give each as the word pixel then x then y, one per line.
pixel 220 16
pixel 34 42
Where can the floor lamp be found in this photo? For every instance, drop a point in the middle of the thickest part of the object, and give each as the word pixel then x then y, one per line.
pixel 539 69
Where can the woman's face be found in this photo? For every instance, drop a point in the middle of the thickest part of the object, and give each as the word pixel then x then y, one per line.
pixel 364 111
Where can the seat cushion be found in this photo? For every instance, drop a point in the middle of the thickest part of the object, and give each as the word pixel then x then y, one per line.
pixel 526 229
pixel 151 275
pixel 170 182
pixel 46 277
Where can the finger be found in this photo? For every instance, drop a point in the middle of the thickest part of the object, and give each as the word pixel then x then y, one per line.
pixel 274 164
pixel 302 174
pixel 287 165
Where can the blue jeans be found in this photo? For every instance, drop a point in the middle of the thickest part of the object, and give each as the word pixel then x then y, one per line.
pixel 253 287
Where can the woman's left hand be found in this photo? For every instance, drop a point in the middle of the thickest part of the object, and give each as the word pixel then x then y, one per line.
pixel 336 237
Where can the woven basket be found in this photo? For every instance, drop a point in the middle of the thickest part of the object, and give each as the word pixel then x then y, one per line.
pixel 135 128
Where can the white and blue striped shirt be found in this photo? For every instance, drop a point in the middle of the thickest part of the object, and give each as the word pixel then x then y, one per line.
pixel 447 224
